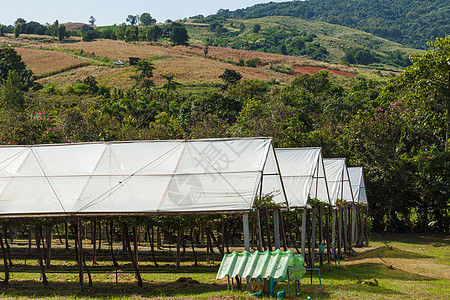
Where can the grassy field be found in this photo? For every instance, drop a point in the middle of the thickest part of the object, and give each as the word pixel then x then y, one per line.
pixel 405 266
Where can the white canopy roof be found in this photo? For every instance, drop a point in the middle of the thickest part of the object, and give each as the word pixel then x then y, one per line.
pixel 212 175
pixel 358 186
pixel 302 170
pixel 337 179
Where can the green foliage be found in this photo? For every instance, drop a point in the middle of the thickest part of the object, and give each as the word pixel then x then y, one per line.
pixel 266 200
pixel 256 28
pixel 11 61
pixel 230 76
pixel 17 30
pixel 178 34
pixel 144 72
pixel 409 22
pixel 61 32
pixel 146 19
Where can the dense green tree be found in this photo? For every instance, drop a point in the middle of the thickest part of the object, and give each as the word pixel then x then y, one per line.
pixel 61 32
pixel 133 20
pixel 230 76
pixel 17 30
pixel 146 19
pixel 178 34
pixel 154 33
pixel 256 28
pixel 144 74
pixel 426 84
pixel 9 61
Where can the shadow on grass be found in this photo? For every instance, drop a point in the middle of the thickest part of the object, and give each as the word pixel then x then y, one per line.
pixel 393 252
pixel 417 240
pixel 34 289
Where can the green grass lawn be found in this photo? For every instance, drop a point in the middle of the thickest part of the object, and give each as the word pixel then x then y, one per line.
pixel 410 266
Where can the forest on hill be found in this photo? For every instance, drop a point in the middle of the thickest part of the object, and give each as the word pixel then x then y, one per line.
pixel 409 22
pixel 398 132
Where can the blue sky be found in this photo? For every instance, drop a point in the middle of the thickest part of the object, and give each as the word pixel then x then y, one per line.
pixel 108 12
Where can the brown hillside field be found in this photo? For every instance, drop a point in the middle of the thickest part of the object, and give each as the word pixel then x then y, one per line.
pixel 187 63
pixel 43 61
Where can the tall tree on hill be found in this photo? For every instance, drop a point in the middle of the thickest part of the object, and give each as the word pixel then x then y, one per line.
pixel 133 20
pixel 61 32
pixel 146 19
pixel 178 34
pixel 92 20
pixel 17 29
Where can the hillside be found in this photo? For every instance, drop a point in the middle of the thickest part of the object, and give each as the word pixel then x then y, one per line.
pixel 410 22
pixel 319 40
pixel 65 63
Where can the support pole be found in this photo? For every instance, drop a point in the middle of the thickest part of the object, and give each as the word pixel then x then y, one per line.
pixel 135 264
pixel 178 246
pixel 266 217
pixel 246 230
pixel 283 231
pixel 304 233
pixel 345 221
pixel 340 232
pixel 5 261
pixel 66 234
pixel 94 241
pixel 258 223
pixel 276 229
pixel 353 225
pixel 313 237
pixel 320 233
pixel 79 242
pixel 41 263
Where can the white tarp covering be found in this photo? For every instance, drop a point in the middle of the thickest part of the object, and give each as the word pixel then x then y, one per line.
pixel 212 175
pixel 337 180
pixel 301 169
pixel 358 186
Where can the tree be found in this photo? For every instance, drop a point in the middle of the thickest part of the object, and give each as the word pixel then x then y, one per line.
pixel 154 33
pixel 17 29
pixel 10 60
pixel 133 20
pixel 2 30
pixel 178 34
pixel 92 20
pixel 61 32
pixel 426 84
pixel 230 76
pixel 256 28
pixel 146 19
pixel 55 29
pixel 144 73
pixel 11 93
pixel 170 84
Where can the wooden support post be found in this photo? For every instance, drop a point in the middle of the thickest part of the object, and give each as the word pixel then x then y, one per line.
pixel 135 244
pixel 48 233
pixel 178 246
pixel 8 248
pixel 276 229
pixel 110 237
pixel 29 244
pixel 320 233
pixel 41 263
pixel 345 229
pixel 340 232
pixel 333 230
pixel 94 241
pixel 304 233
pixel 5 261
pixel 308 236
pixel 313 237
pixel 246 231
pixel 79 246
pixel 363 233
pixel 66 234
pixel 135 264
pixel 327 219
pixel 357 233
pixel 366 225
pixel 99 235
pixel 193 248
pixel 353 225
pixel 283 231
pixel 260 237
pixel 266 217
